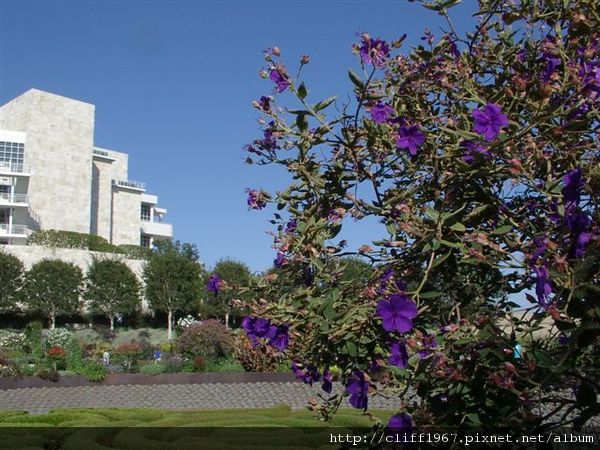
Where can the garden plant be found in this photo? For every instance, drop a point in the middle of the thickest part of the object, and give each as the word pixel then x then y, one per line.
pixel 478 155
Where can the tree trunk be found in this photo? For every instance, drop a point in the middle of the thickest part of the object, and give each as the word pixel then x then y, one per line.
pixel 52 321
pixel 112 323
pixel 227 319
pixel 169 325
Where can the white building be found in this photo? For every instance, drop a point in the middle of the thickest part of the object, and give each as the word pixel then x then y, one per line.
pixel 53 177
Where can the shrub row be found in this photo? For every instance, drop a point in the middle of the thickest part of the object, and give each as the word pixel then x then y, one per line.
pixel 71 239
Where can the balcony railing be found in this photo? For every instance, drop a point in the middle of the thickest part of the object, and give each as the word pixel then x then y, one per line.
pixel 100 153
pixel 13 198
pixel 130 184
pixel 13 230
pixel 13 167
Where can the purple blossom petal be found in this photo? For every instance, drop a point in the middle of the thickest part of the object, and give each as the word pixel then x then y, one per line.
pixel 489 121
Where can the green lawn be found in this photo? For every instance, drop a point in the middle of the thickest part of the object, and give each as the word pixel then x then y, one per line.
pixel 149 429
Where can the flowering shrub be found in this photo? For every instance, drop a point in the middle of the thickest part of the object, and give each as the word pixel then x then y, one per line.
pixel 59 337
pixel 7 367
pixel 13 340
pixel 256 358
pixel 207 338
pixel 56 353
pixel 185 322
pixel 478 155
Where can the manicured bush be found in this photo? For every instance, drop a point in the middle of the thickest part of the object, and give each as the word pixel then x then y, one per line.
pixel 11 280
pixel 207 338
pixel 83 241
pixel 48 374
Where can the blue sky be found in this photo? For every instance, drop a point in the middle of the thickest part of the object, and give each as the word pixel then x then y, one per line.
pixel 173 84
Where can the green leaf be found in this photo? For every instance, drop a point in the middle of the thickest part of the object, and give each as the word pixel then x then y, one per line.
pixel 351 349
pixel 458 227
pixel 441 259
pixel 431 294
pixel 503 229
pixel 451 244
pixel 432 213
pixel 356 79
pixel 325 103
pixel 301 122
pixel 391 228
pixel 302 91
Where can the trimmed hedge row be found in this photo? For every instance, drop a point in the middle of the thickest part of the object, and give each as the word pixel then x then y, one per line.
pixel 83 241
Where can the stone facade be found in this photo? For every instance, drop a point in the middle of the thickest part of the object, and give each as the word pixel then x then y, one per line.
pixel 59 130
pixel 69 184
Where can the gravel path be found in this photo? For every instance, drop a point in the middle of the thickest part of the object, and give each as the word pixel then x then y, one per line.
pixel 169 396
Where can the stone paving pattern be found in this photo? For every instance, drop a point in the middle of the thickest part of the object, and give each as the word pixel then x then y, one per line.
pixel 170 396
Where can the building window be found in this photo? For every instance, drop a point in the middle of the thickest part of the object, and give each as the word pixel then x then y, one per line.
pixel 145 241
pixel 12 153
pixel 4 215
pixel 145 213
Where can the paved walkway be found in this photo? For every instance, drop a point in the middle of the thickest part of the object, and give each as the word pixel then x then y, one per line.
pixel 169 396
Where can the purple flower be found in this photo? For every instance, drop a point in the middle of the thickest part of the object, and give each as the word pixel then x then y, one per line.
pixel 489 120
pixel 397 313
pixel 590 75
pixel 573 182
pixel 374 51
pixel 399 356
pixel 471 149
pixel 543 286
pixel 410 137
pixel 261 327
pixel 381 112
pixel 540 246
pixel 578 223
pixel 401 424
pixel 264 104
pixel 280 260
pixel 308 375
pixel 358 388
pixel 279 337
pixel 255 199
pixel 214 283
pixel 552 63
pixel 291 226
pixel 327 384
pixel 384 279
pixel 280 78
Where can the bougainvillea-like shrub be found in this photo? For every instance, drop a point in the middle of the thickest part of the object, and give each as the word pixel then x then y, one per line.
pixel 477 154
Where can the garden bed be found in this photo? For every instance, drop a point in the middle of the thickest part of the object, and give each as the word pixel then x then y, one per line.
pixel 144 379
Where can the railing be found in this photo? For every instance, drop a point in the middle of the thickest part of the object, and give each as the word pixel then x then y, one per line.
pixel 13 229
pixel 101 153
pixel 13 167
pixel 130 184
pixel 13 198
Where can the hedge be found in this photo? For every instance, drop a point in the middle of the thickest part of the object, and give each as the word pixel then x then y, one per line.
pixel 71 239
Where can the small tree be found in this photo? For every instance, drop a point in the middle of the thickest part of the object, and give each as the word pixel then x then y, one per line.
pixel 173 279
pixel 53 287
pixel 112 289
pixel 11 279
pixel 233 275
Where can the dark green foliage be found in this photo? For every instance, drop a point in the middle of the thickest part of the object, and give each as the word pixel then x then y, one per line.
pixel 53 287
pixel 94 371
pixel 111 289
pixel 173 281
pixel 207 338
pixel 83 241
pixel 33 332
pixel 11 279
pixel 234 275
